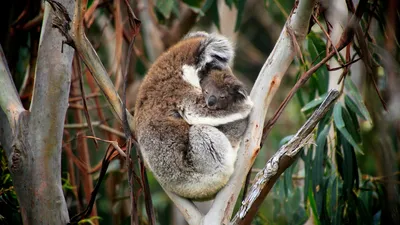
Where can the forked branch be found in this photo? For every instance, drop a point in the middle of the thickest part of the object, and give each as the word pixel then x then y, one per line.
pixel 264 89
pixel 76 38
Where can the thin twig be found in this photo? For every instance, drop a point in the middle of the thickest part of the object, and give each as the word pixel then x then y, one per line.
pixel 79 98
pixel 104 167
pixel 329 38
pixel 344 65
pixel 78 72
pixel 95 124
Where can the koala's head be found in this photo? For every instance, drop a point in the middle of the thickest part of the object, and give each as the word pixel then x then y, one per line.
pixel 221 88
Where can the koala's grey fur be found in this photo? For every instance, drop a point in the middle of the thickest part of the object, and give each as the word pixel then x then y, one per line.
pixel 187 145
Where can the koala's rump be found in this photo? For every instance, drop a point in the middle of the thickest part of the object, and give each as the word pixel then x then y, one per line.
pixel 167 150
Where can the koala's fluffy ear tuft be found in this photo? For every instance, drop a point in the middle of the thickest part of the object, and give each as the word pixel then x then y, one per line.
pixel 196 34
pixel 215 51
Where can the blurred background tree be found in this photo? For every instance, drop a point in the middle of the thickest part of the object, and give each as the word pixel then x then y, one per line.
pixel 350 175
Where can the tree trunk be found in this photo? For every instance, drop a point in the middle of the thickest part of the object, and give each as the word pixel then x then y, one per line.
pixel 33 138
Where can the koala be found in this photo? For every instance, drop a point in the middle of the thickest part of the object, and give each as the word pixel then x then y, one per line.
pixel 184 133
pixel 221 90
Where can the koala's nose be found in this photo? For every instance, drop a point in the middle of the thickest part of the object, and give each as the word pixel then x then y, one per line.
pixel 211 100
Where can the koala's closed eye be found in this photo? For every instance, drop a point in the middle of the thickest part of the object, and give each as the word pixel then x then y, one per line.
pixel 175 114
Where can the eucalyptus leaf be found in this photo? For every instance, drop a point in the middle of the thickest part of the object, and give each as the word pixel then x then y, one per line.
pixel 193 3
pixel 313 206
pixel 229 3
pixel 353 107
pixel 364 216
pixel 318 167
pixel 348 178
pixel 307 172
pixel 332 197
pixel 240 9
pixel 165 7
pixel 277 207
pixel 351 125
pixel 316 47
pixel 340 125
pixel 207 5
pixel 314 103
pixel 356 96
pixel 215 14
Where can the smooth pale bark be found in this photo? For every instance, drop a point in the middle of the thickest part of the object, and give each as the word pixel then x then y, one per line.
pixel 33 141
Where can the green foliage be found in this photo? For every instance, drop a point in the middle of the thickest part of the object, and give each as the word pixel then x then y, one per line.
pixel 316 48
pixel 240 4
pixel 194 3
pixel 89 220
pixel 66 183
pixel 165 7
pixel 9 213
pixel 335 188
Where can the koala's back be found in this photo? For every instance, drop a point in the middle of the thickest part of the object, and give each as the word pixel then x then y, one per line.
pixel 163 85
pixel 162 134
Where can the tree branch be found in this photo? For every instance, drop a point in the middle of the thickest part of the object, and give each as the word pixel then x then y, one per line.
pixel 151 35
pixel 263 90
pixel 10 102
pixel 277 164
pixel 188 209
pixel 76 37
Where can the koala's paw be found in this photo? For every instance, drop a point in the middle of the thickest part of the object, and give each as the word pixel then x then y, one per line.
pixel 244 108
pixel 185 114
pixel 249 103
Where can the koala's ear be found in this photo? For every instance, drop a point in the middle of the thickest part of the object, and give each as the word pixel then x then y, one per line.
pixel 215 51
pixel 241 92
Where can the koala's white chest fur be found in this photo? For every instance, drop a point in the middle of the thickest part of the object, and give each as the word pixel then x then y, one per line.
pixel 190 75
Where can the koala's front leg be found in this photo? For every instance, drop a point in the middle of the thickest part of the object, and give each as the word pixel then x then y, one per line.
pixel 234 131
pixel 196 113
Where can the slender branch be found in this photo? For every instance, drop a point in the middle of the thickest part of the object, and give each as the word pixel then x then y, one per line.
pixel 264 89
pixel 76 64
pixel 83 152
pixel 95 124
pixel 10 102
pixel 150 33
pixel 328 37
pixel 77 38
pixel 189 210
pixel 277 164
